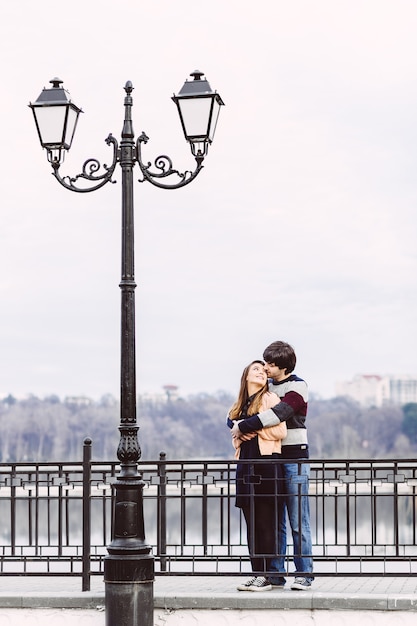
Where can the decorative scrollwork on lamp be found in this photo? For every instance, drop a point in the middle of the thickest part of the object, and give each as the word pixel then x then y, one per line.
pixel 163 163
pixel 89 171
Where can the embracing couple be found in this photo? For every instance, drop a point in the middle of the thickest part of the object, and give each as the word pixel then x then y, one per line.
pixel 267 423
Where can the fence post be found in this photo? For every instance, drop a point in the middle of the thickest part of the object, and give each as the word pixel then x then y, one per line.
pixel 204 511
pixel 162 513
pixel 86 568
pixel 13 509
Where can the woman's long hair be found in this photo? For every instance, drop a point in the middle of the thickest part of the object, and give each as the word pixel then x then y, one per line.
pixel 243 397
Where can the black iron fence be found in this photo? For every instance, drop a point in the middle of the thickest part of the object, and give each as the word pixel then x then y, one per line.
pixel 56 517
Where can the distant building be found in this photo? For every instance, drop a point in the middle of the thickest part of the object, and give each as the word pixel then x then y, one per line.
pixel 375 390
pixel 403 390
pixel 78 400
pixel 171 391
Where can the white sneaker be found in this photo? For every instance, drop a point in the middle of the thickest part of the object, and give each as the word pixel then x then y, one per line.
pixel 257 583
pixel 301 584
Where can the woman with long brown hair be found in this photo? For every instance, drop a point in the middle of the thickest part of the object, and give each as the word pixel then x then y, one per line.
pixel 258 484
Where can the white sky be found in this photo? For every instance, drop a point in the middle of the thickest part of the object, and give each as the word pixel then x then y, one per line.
pixel 301 227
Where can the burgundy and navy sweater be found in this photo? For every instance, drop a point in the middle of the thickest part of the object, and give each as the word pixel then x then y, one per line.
pixel 293 393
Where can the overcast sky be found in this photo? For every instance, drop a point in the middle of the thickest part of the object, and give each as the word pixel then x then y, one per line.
pixel 301 227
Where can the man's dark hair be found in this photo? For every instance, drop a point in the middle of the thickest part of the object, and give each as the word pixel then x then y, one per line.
pixel 282 355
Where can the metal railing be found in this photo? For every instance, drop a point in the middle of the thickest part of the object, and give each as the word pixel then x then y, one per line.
pixel 56 517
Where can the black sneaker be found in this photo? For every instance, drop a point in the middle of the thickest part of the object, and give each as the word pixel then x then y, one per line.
pixel 257 583
pixel 301 584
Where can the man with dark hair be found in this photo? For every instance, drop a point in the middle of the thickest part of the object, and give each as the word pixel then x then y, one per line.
pixel 292 392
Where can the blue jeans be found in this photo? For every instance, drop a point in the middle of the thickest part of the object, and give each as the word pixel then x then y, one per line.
pixel 295 501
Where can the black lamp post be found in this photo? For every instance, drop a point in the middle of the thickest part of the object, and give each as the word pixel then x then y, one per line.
pixel 129 566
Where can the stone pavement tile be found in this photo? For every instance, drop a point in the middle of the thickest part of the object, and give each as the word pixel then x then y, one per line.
pixel 402 602
pixel 51 617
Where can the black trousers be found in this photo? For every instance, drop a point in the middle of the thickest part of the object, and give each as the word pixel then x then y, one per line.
pixel 262 516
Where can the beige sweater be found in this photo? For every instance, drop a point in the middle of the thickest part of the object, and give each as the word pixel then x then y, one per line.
pixel 269 439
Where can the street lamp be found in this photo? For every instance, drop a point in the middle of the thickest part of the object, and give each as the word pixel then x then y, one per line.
pixel 129 565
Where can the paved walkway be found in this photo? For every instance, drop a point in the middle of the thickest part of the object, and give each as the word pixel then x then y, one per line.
pixel 218 592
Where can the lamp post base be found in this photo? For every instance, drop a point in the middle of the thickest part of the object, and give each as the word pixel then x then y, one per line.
pixel 129 566
pixel 129 590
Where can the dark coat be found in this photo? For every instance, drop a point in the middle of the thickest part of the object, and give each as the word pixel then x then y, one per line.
pixel 256 479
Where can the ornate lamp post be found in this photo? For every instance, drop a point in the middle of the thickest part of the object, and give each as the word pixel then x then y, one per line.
pixel 129 566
